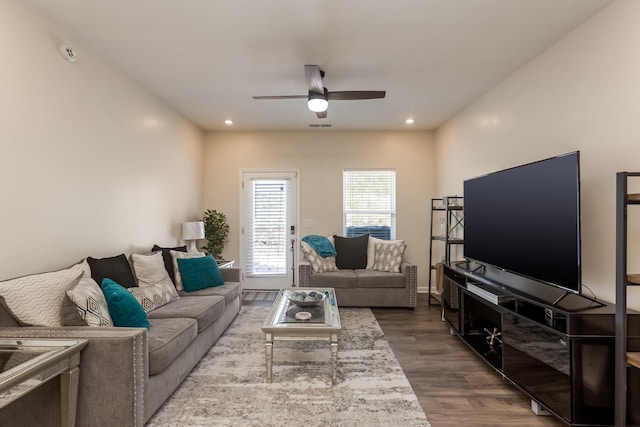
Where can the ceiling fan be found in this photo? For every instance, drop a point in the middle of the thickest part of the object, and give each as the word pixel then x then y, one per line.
pixel 318 97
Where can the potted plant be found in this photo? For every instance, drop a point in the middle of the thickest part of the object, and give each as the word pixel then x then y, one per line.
pixel 216 231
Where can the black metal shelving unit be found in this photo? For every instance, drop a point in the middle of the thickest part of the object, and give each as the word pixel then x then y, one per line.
pixel 624 360
pixel 450 231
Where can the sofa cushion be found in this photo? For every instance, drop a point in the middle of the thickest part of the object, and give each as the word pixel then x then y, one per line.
pixel 379 279
pixel 230 291
pixel 388 256
pixel 335 279
pixel 167 339
pixel 351 252
pixel 199 273
pixel 319 264
pixel 205 310
pixel 36 299
pixel 124 309
pixel 116 268
pixel 85 305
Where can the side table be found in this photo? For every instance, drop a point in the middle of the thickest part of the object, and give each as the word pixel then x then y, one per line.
pixel 223 263
pixel 27 363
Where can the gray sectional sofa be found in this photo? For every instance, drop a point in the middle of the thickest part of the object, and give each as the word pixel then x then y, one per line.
pixel 126 373
pixel 372 282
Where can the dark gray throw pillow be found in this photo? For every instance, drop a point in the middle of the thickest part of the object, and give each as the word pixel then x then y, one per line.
pixel 116 268
pixel 168 261
pixel 351 252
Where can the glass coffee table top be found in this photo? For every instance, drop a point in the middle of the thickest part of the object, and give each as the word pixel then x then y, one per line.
pixel 285 314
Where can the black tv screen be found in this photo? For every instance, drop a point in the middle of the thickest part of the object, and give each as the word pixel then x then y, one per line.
pixel 526 220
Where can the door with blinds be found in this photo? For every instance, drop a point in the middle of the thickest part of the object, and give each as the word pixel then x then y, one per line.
pixel 269 233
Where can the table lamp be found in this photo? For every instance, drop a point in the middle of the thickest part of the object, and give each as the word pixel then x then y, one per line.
pixel 192 231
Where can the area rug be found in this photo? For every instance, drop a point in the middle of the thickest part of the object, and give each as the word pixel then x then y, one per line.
pixel 229 388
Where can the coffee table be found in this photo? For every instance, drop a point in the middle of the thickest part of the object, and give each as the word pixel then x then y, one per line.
pixel 324 324
pixel 27 363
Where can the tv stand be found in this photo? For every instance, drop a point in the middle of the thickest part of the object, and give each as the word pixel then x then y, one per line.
pixel 556 346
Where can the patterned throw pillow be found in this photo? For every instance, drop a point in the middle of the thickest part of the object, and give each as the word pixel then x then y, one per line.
pixel 175 255
pixel 85 305
pixel 388 256
pixel 36 299
pixel 371 250
pixel 155 296
pixel 318 263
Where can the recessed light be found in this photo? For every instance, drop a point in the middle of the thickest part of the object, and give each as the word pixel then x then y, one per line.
pixel 409 121
pixel 228 122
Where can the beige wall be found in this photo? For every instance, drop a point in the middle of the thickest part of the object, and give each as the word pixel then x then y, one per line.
pixel 582 94
pixel 321 157
pixel 90 164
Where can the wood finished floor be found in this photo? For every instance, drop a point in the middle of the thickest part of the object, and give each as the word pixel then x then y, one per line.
pixel 454 387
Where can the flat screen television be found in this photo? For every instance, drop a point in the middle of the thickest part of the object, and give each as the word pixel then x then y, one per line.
pixel 526 220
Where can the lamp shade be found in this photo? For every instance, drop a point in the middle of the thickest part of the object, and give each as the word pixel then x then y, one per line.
pixel 192 230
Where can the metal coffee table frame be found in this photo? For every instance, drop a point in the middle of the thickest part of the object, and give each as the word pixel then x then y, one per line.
pixel 48 358
pixel 326 327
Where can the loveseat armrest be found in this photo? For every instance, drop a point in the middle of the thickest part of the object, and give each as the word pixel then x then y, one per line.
pixel 231 274
pixel 304 275
pixel 114 368
pixel 410 272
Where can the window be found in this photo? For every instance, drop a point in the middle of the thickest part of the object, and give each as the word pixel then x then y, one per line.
pixel 370 203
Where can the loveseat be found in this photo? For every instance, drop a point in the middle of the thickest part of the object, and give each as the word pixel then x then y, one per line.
pixel 126 373
pixel 365 272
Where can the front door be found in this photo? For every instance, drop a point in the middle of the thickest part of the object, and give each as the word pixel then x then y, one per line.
pixel 269 217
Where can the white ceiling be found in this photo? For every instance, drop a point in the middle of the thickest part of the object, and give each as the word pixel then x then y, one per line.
pixel 207 58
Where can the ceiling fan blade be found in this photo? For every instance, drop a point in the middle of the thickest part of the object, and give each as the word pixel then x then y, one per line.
pixel 347 95
pixel 282 97
pixel 322 114
pixel 314 78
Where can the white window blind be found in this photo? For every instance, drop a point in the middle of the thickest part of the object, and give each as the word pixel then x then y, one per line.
pixel 370 203
pixel 268 228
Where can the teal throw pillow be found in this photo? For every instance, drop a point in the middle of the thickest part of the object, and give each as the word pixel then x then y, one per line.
pixel 124 308
pixel 199 273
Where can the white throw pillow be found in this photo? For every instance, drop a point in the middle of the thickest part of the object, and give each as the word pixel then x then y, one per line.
pixel 36 299
pixel 149 269
pixel 388 255
pixel 174 256
pixel 371 250
pixel 90 303
pixel 318 263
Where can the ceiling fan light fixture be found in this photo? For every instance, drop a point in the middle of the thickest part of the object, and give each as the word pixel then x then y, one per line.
pixel 318 101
